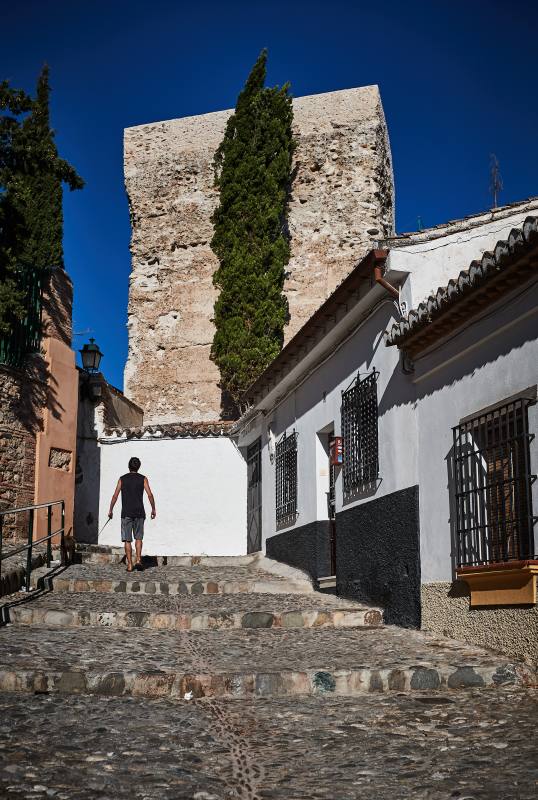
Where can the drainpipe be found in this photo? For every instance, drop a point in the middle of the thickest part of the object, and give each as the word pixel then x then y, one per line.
pixel 380 258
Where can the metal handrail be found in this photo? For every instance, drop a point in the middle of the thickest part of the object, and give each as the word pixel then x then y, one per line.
pixel 31 542
pixel 29 508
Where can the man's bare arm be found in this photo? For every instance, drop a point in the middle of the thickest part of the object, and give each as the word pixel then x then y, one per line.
pixel 114 498
pixel 150 498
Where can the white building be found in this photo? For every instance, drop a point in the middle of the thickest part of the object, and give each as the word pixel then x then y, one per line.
pixel 397 375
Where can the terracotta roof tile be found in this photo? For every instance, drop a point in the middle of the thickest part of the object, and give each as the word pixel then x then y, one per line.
pixel 505 256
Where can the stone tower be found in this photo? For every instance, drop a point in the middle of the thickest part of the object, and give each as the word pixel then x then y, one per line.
pixel 342 201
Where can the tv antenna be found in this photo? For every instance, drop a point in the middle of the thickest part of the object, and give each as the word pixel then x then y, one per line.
pixel 495 179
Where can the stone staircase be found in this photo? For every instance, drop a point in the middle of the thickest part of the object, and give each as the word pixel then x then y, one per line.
pixel 210 627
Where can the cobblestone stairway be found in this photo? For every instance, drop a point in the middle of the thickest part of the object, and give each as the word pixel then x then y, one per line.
pixel 218 679
pixel 221 628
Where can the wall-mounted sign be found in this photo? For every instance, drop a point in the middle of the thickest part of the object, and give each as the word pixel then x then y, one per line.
pixel 336 451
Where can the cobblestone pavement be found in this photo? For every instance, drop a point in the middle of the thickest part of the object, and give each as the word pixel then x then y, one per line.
pixel 177 580
pixel 205 603
pixel 243 662
pixel 301 713
pixel 468 745
pixel 169 574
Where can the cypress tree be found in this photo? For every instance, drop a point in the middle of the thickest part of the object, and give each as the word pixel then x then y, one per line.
pixel 31 176
pixel 252 172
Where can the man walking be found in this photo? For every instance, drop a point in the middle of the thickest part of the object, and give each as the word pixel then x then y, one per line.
pixel 132 487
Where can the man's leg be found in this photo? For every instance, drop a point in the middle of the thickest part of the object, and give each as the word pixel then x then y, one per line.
pixel 127 537
pixel 138 529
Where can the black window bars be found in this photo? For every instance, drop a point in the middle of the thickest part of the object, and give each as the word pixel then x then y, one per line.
pixel 494 522
pixel 359 433
pixel 286 478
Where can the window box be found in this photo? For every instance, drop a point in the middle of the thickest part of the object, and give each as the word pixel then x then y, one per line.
pixel 511 583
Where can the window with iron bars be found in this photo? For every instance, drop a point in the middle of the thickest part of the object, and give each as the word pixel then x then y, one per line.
pixel 493 483
pixel 359 434
pixel 286 478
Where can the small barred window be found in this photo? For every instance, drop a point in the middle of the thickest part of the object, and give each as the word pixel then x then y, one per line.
pixel 286 479
pixel 359 433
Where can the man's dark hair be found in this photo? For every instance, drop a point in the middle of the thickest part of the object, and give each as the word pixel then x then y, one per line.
pixel 134 464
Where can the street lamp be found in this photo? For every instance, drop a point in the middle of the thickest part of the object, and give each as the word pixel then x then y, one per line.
pixel 91 357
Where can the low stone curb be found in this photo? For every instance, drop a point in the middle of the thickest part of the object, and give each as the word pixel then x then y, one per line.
pixel 342 682
pixel 165 620
pixel 176 588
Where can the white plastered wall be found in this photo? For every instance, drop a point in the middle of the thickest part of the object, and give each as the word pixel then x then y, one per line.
pixel 495 358
pixel 199 486
pixel 315 405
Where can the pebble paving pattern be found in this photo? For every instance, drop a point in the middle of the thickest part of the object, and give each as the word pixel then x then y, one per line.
pixel 167 573
pixel 388 647
pixel 174 580
pixel 110 713
pixel 203 603
pixel 468 745
pixel 244 662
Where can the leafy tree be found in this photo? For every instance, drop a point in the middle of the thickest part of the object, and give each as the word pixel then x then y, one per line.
pixel 31 176
pixel 253 172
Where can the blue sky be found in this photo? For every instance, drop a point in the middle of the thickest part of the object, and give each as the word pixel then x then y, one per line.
pixel 457 79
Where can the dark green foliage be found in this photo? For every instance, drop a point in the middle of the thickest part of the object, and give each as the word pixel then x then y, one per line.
pixel 31 176
pixel 253 173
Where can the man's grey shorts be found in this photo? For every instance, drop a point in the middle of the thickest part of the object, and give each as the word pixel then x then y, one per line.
pixel 132 526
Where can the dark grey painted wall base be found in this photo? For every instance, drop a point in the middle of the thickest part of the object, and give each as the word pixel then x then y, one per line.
pixel 378 555
pixel 306 547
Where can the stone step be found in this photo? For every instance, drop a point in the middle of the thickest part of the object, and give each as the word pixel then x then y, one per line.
pixel 111 556
pixel 173 588
pixel 178 580
pixel 245 663
pixel 192 612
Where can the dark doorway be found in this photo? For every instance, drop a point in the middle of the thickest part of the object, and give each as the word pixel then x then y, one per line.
pixel 331 500
pixel 254 497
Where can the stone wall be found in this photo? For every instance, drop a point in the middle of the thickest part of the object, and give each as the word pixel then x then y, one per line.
pixel 512 630
pixel 19 422
pixel 342 200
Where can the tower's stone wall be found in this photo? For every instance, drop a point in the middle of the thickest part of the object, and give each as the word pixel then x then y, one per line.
pixel 342 201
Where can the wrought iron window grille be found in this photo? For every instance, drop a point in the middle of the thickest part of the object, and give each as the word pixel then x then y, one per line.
pixel 494 521
pixel 359 414
pixel 286 478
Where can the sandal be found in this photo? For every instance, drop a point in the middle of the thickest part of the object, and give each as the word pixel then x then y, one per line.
pixel 130 569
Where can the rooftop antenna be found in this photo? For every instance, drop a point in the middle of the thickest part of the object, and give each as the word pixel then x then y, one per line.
pixel 495 179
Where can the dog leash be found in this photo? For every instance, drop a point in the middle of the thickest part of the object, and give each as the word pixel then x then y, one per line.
pixel 104 526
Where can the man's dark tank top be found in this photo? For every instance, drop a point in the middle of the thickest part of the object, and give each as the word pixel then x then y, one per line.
pixel 132 495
